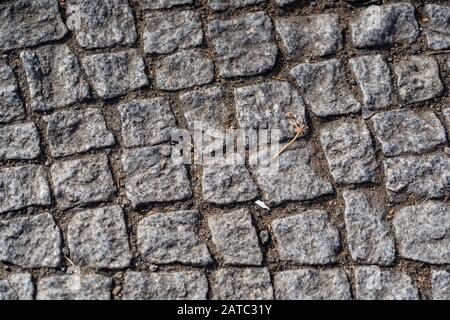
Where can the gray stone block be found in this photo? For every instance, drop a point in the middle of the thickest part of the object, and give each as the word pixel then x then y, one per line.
pixel 438 30
pixel 19 142
pixel 440 285
pixel 11 107
pixel 221 5
pixel 163 4
pixel 18 286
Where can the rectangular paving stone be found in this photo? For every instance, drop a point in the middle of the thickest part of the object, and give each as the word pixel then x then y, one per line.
pixel 163 4
pixel 77 131
pixel 182 285
pixel 438 30
pixel 42 24
pixel 440 285
pixel 17 286
pixel 245 45
pixel 221 5
pixel 11 107
pixel 19 142
pixel 30 242
pixel 22 187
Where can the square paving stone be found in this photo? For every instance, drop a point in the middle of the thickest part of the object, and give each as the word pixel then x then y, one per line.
pixel 11 107
pixel 314 36
pixel 422 232
pixel 163 4
pixel 54 77
pixel 19 142
pixel 165 32
pixel 245 45
pixel 322 86
pixel 172 237
pixel 307 238
pixel 82 181
pixel 312 284
pixel 438 30
pixel 440 284
pixel 101 24
pixel 221 5
pixel 153 176
pixel 183 70
pixel 98 239
pixel 18 286
pixel 385 25
pixel 22 187
pixel 349 152
pixel 42 23
pixel 403 131
pixel 374 284
pixel 234 236
pixel 418 79
pixel 183 285
pixel 30 242
pixel 74 287
pixel 115 74
pixel 146 122
pixel 77 131
pixel 242 284
pixel 368 234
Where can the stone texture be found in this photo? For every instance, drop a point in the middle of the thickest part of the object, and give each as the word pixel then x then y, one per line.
pixel 349 152
pixel 184 285
pixel 82 182
pixel 403 131
pixel 440 285
pixel 242 284
pixel 115 74
pixel 165 32
pixel 307 238
pixel 322 86
pixel 18 286
pixel 312 284
pixel 235 238
pixel 19 142
pixel 77 131
pixel 369 238
pixel 22 187
pixel 220 5
pixel 163 4
pixel 446 114
pixel 282 3
pixel 374 284
pixel 245 45
pixel 98 239
pixel 101 24
pixel 30 242
pixel 385 25
pixel 26 23
pixel 172 237
pixel 422 232
pixel 11 107
pixel 438 30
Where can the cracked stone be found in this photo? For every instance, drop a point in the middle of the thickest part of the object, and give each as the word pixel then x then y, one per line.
pixel 11 107
pixel 172 237
pixel 307 238
pixel 163 4
pixel 438 30
pixel 17 286
pixel 323 88
pixel 221 5
pixel 77 131
pixel 440 283
pixel 19 142
pixel 98 238
pixel 30 242
pixel 245 45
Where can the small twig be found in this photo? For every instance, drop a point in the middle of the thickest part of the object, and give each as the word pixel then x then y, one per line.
pixel 436 52
pixel 299 129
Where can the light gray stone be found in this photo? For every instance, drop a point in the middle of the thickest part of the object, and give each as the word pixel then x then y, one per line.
pixel 11 107
pixel 438 30
pixel 282 3
pixel 19 142
pixel 221 5
pixel 163 4
pixel 446 114
pixel 440 285
pixel 18 286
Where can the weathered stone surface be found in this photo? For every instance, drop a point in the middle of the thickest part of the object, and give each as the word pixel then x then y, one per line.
pixel 19 142
pixel 101 24
pixel 82 181
pixel 312 284
pixel 21 187
pixel 11 107
pixel 368 235
pixel 184 285
pixel 75 287
pixel 403 131
pixel 26 23
pixel 165 32
pixel 77 131
pixel 153 176
pixel 307 238
pixel 374 284
pixel 422 232
pixel 385 25
pixel 242 284
pixel 146 122
pixel 349 152
pixel 98 238
pixel 172 237
pixel 418 79
pixel 440 285
pixel 184 69
pixel 323 88
pixel 245 45
pixel 438 30
pixel 163 4
pixel 115 74
pixel 315 36
pixel 17 286
pixel 220 5
pixel 30 242
pixel 270 105
pixel 282 3
pixel 235 238
pixel 446 114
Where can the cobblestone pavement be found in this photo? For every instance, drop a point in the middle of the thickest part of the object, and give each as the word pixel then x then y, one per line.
pixel 358 208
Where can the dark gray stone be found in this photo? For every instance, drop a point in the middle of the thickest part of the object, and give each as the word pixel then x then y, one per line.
pixel 438 30
pixel 19 142
pixel 11 107
pixel 220 5
pixel 440 285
